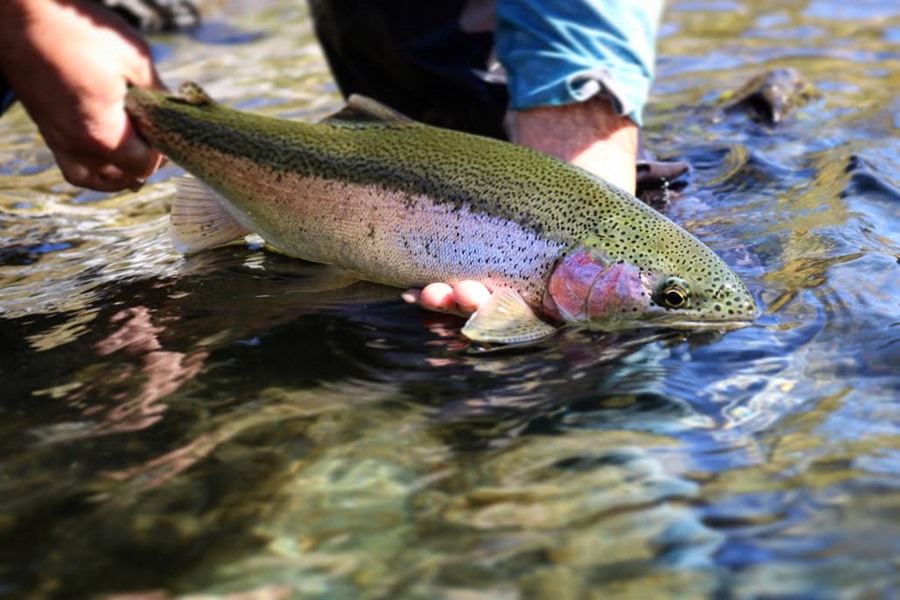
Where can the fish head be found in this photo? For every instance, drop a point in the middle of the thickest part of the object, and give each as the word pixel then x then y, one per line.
pixel 175 123
pixel 687 287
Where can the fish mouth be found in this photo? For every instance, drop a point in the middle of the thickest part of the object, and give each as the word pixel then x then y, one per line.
pixel 139 104
pixel 702 325
pixel 139 100
pixel 697 321
pixel 668 322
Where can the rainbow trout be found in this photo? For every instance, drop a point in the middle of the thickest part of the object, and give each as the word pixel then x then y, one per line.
pixel 405 204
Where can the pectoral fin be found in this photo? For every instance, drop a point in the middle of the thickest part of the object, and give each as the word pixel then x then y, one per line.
pixel 506 319
pixel 200 220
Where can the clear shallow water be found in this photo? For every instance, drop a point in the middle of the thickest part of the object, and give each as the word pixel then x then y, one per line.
pixel 216 425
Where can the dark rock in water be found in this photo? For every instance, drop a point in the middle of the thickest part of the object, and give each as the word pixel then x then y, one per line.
pixel 157 15
pixel 771 96
pixel 656 173
pixel 658 180
pixel 153 16
pixel 224 33
pixel 865 181
pixel 660 197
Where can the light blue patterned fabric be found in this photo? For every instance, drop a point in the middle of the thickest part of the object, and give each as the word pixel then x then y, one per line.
pixel 558 52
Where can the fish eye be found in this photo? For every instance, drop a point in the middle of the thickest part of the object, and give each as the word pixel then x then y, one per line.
pixel 673 293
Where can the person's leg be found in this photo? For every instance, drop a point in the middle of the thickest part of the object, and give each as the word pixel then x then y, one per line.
pixel 414 57
pixel 7 98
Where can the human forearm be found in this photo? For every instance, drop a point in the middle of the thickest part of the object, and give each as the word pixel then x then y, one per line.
pixel 578 75
pixel 557 53
pixel 69 63
pixel 590 134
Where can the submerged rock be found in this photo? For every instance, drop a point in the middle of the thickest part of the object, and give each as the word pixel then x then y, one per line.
pixel 771 96
pixel 157 15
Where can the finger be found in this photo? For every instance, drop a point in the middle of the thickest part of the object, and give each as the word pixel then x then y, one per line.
pixel 92 173
pixel 135 157
pixel 142 70
pixel 411 296
pixel 470 295
pixel 142 157
pixel 438 296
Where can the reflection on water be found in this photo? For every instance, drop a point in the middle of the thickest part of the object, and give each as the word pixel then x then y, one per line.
pixel 234 424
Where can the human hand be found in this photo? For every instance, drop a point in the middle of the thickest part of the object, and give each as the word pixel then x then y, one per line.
pixel 70 63
pixel 591 135
pixel 463 298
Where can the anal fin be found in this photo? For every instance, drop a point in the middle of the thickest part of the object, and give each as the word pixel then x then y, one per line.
pixel 326 278
pixel 200 219
pixel 506 319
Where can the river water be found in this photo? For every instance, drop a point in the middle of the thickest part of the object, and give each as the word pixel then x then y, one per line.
pixel 213 426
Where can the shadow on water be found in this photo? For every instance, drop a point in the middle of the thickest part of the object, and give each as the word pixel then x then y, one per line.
pixel 234 371
pixel 230 423
pixel 229 414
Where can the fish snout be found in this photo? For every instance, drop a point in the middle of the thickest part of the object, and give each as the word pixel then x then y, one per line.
pixel 139 104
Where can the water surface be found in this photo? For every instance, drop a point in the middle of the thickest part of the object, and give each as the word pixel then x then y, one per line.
pixel 215 425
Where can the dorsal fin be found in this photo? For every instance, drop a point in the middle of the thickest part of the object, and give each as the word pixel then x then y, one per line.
pixel 361 108
pixel 191 93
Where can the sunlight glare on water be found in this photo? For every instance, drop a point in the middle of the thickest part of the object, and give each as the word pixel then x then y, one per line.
pixel 186 427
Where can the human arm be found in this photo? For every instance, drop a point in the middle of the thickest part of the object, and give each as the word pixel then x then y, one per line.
pixel 589 134
pixel 578 75
pixel 70 63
